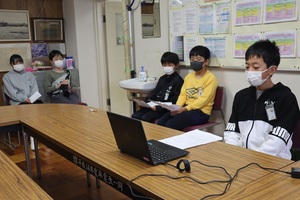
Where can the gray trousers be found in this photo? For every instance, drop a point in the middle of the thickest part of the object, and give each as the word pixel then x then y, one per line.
pixel 60 98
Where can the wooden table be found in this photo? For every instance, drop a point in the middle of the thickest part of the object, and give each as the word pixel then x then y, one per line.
pixel 85 138
pixel 11 115
pixel 15 184
pixel 275 185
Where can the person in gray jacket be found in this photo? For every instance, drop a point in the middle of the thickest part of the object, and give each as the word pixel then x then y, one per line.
pixel 19 85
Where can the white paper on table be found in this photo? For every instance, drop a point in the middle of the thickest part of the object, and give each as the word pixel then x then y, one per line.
pixel 191 139
pixel 35 97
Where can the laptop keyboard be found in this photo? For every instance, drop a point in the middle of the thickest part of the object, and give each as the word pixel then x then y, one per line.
pixel 158 154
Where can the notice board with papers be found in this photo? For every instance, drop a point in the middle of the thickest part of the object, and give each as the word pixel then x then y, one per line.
pixel 228 28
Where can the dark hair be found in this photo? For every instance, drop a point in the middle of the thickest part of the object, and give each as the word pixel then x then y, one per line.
pixel 200 51
pixel 54 53
pixel 266 50
pixel 169 57
pixel 15 58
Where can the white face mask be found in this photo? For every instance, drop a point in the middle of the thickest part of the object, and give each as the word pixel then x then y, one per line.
pixel 18 67
pixel 255 77
pixel 59 63
pixel 168 70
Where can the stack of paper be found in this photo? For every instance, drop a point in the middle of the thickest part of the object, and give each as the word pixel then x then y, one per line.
pixel 171 107
pixel 151 103
pixel 144 104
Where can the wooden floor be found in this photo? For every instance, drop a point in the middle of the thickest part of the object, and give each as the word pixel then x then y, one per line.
pixel 61 179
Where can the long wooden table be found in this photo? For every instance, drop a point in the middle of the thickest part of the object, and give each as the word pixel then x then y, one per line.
pixel 15 184
pixel 85 138
pixel 277 185
pixel 11 115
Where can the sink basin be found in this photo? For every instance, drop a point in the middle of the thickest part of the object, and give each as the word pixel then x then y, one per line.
pixel 136 86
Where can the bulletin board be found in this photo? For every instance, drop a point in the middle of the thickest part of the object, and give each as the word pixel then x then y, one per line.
pixel 229 27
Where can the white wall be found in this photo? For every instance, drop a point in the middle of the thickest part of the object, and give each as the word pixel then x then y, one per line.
pixel 81 41
pixel 149 51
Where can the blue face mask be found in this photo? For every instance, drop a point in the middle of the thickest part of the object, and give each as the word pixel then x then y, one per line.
pixel 197 66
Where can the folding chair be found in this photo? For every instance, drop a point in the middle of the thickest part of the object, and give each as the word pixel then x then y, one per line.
pixel 218 105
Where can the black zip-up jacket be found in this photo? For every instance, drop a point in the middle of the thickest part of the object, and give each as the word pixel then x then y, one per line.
pixel 250 127
pixel 167 89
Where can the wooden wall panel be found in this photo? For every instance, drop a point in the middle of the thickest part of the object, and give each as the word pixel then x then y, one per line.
pixel 36 8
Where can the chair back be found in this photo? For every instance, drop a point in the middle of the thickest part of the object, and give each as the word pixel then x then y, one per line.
pixel 5 97
pixel 296 136
pixel 218 105
pixel 218 102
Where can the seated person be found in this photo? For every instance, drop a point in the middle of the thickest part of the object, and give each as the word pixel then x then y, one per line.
pixel 19 85
pixel 166 90
pixel 197 94
pixel 58 81
pixel 263 115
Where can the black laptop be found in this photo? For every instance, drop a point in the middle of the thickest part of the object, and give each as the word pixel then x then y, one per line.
pixel 131 139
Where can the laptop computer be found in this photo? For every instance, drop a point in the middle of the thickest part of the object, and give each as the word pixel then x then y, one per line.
pixel 131 139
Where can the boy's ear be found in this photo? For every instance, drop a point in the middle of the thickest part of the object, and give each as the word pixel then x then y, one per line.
pixel 273 69
pixel 207 62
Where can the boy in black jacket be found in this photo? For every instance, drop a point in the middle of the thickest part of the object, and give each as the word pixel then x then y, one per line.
pixel 264 114
pixel 166 90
